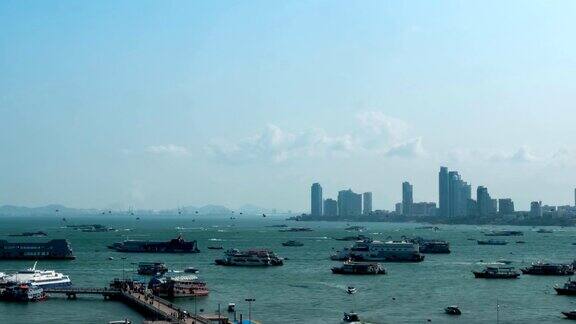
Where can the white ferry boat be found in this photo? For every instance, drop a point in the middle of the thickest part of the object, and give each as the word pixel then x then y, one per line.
pixel 40 278
pixel 391 251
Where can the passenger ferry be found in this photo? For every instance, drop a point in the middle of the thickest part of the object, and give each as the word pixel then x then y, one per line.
pixel 390 251
pixel 40 278
pixel 497 273
pixel 432 246
pixel 251 258
pixel 359 268
pixel 52 250
pixel 177 287
pixel 176 245
pixel 549 269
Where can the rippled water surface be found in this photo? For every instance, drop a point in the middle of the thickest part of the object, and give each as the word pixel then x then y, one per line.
pixel 304 290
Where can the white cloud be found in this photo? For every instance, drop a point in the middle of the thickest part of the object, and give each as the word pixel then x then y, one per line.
pixel 524 154
pixel 277 145
pixel 409 149
pixel 380 123
pixel 169 149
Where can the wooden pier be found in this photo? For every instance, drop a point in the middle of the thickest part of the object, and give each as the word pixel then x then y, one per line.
pixel 154 307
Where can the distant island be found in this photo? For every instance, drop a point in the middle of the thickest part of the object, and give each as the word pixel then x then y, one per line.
pixel 212 210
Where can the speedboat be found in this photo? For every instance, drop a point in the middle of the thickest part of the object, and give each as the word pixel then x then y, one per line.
pixel 351 318
pixel 570 314
pixel 351 290
pixel 124 321
pixel 452 310
pixel 191 270
pixel 40 278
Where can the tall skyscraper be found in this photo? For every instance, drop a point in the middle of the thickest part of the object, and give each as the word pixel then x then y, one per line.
pixel 349 203
pixel 316 200
pixel 407 198
pixel 443 192
pixel 367 201
pixel 454 194
pixel 330 207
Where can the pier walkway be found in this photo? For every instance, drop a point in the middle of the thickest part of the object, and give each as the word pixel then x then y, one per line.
pixel 156 307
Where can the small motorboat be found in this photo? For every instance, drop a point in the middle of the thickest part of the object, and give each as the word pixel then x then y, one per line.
pixel 191 270
pixel 351 318
pixel 110 258
pixel 231 307
pixel 124 321
pixel 452 310
pixel 570 315
pixel 351 290
pixel 219 247
pixel 292 243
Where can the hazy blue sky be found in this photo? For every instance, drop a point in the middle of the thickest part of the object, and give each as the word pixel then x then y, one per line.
pixel 165 103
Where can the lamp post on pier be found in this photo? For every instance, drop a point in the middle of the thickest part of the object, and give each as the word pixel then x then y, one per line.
pixel 250 300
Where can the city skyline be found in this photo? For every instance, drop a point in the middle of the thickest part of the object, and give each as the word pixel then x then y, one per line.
pixel 200 103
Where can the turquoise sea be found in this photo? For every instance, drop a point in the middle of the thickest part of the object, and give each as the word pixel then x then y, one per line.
pixel 303 290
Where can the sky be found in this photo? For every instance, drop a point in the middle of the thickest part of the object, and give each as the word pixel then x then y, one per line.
pixel 159 104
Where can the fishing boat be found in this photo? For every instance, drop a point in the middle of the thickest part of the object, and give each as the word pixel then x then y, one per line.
pixel 570 314
pixel 151 268
pixel 453 310
pixel 497 273
pixel 351 317
pixel 292 243
pixel 492 242
pixel 569 288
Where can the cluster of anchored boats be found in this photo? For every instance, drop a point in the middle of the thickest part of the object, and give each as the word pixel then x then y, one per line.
pixel 363 257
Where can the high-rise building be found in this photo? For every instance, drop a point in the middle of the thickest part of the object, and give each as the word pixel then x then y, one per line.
pixel 443 192
pixel 407 198
pixel 330 207
pixel 349 203
pixel 423 209
pixel 505 206
pixel 484 201
pixel 316 200
pixel 536 209
pixel 398 208
pixel 367 201
pixel 458 195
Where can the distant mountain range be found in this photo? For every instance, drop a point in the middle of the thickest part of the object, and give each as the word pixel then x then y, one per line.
pixel 55 209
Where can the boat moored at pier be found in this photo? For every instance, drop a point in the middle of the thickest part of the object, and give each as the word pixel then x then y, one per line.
pixel 23 292
pixel 40 278
pixel 390 251
pixel 177 287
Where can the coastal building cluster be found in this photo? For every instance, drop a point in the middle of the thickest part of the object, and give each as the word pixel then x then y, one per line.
pixel 455 201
